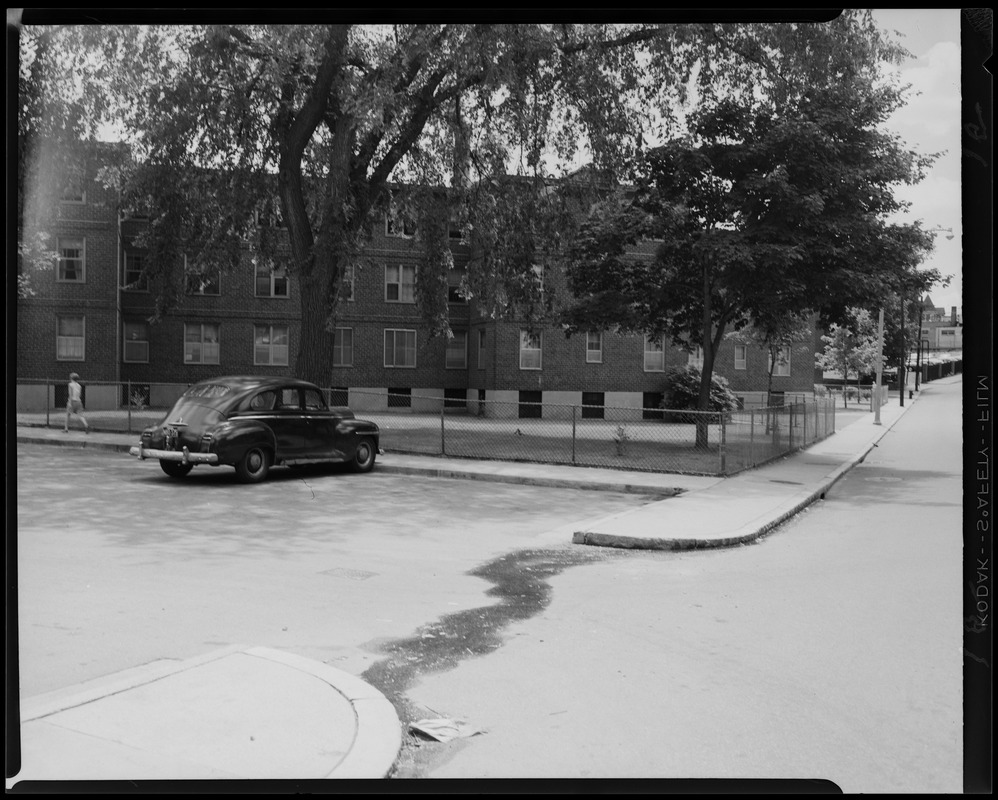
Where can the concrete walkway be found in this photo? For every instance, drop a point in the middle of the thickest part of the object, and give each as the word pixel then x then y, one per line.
pixel 305 719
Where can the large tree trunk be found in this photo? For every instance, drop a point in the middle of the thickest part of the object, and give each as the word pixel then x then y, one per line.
pixel 315 346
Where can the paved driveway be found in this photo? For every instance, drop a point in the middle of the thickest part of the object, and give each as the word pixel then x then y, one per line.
pixel 119 565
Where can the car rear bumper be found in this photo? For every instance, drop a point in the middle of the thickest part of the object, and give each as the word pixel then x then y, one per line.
pixel 184 456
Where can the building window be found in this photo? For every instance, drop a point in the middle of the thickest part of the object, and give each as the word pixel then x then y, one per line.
pixel 538 271
pixel 530 350
pixel 271 281
pixel 531 404
pixel 74 191
pixel 343 348
pixel 782 368
pixel 594 347
pixel 400 348
pixel 651 405
pixel 654 354
pixel 136 345
pixel 455 398
pixel 70 337
pixel 270 345
pixel 455 293
pixel 457 351
pixel 695 359
pixel 741 356
pixel 481 349
pixel 206 282
pixel 135 272
pixel 399 397
pixel 269 215
pixel 201 343
pixel 399 223
pixel 400 284
pixel 348 287
pixel 592 405
pixel 72 259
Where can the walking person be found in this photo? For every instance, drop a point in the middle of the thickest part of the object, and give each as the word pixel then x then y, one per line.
pixel 74 405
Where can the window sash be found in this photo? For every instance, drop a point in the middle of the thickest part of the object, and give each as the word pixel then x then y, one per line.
pixel 530 350
pixel 782 368
pixel 72 259
pixel 594 347
pixel 270 345
pixel 271 282
pixel 457 351
pixel 400 348
pixel 136 343
pixel 400 283
pixel 654 354
pixel 135 272
pixel 695 359
pixel 343 347
pixel 741 356
pixel 201 343
pixel 70 338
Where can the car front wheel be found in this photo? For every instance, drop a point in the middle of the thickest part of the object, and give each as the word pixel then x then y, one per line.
pixel 363 457
pixel 253 466
pixel 175 469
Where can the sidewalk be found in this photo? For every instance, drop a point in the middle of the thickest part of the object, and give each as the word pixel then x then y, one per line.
pixel 308 720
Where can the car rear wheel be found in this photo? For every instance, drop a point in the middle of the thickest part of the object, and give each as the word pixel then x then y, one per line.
pixel 175 469
pixel 253 466
pixel 363 457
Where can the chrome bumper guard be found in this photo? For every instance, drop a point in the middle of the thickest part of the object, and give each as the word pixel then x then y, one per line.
pixel 184 456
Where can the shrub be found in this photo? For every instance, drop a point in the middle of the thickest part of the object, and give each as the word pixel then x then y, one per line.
pixel 682 391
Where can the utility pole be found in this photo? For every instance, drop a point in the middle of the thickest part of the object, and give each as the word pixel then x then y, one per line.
pixel 880 368
pixel 903 367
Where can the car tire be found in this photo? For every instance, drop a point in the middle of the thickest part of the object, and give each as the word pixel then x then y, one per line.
pixel 364 455
pixel 175 469
pixel 254 465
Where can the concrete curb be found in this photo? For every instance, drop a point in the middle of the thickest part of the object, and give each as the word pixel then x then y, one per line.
pixel 752 530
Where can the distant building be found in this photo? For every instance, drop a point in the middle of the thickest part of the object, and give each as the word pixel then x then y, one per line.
pixel 941 330
pixel 90 314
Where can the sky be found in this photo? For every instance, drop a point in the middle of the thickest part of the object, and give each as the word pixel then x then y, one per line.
pixel 930 123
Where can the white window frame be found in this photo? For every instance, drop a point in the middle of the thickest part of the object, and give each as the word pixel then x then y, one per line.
pixel 741 356
pixel 405 347
pixel 594 355
pixel 538 270
pixel 275 274
pixel 782 369
pixel 399 225
pixel 66 346
pixel 342 350
pixel 654 354
pixel 527 352
pixel 454 277
pixel 203 282
pixel 397 280
pixel 456 355
pixel 142 343
pixel 62 260
pixel 78 180
pixel 349 282
pixel 695 358
pixel 141 282
pixel 274 351
pixel 205 347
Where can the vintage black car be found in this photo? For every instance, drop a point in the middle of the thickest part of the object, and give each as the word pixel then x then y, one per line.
pixel 253 423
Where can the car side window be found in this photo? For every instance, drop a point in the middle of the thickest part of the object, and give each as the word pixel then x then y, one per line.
pixel 264 401
pixel 313 400
pixel 289 399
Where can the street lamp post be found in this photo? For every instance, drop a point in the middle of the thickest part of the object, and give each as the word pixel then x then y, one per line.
pixel 880 368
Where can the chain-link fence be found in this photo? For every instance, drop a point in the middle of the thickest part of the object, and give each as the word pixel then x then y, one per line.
pixel 643 439
pixel 852 396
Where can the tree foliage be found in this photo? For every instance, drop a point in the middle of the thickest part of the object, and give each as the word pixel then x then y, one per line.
pixel 332 118
pixel 768 206
pixel 852 346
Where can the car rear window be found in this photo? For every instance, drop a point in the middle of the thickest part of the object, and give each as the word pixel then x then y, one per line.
pixel 194 412
pixel 207 390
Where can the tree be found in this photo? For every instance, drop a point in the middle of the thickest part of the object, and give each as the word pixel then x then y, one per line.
pixel 765 207
pixel 774 333
pixel 851 348
pixel 338 116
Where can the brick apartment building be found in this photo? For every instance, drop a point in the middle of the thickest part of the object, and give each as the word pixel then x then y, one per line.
pixel 90 315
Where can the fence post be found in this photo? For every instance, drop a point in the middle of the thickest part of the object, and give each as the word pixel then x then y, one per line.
pixel 49 402
pixel 720 447
pixel 443 450
pixel 574 410
pixel 751 440
pixel 790 427
pixel 128 402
